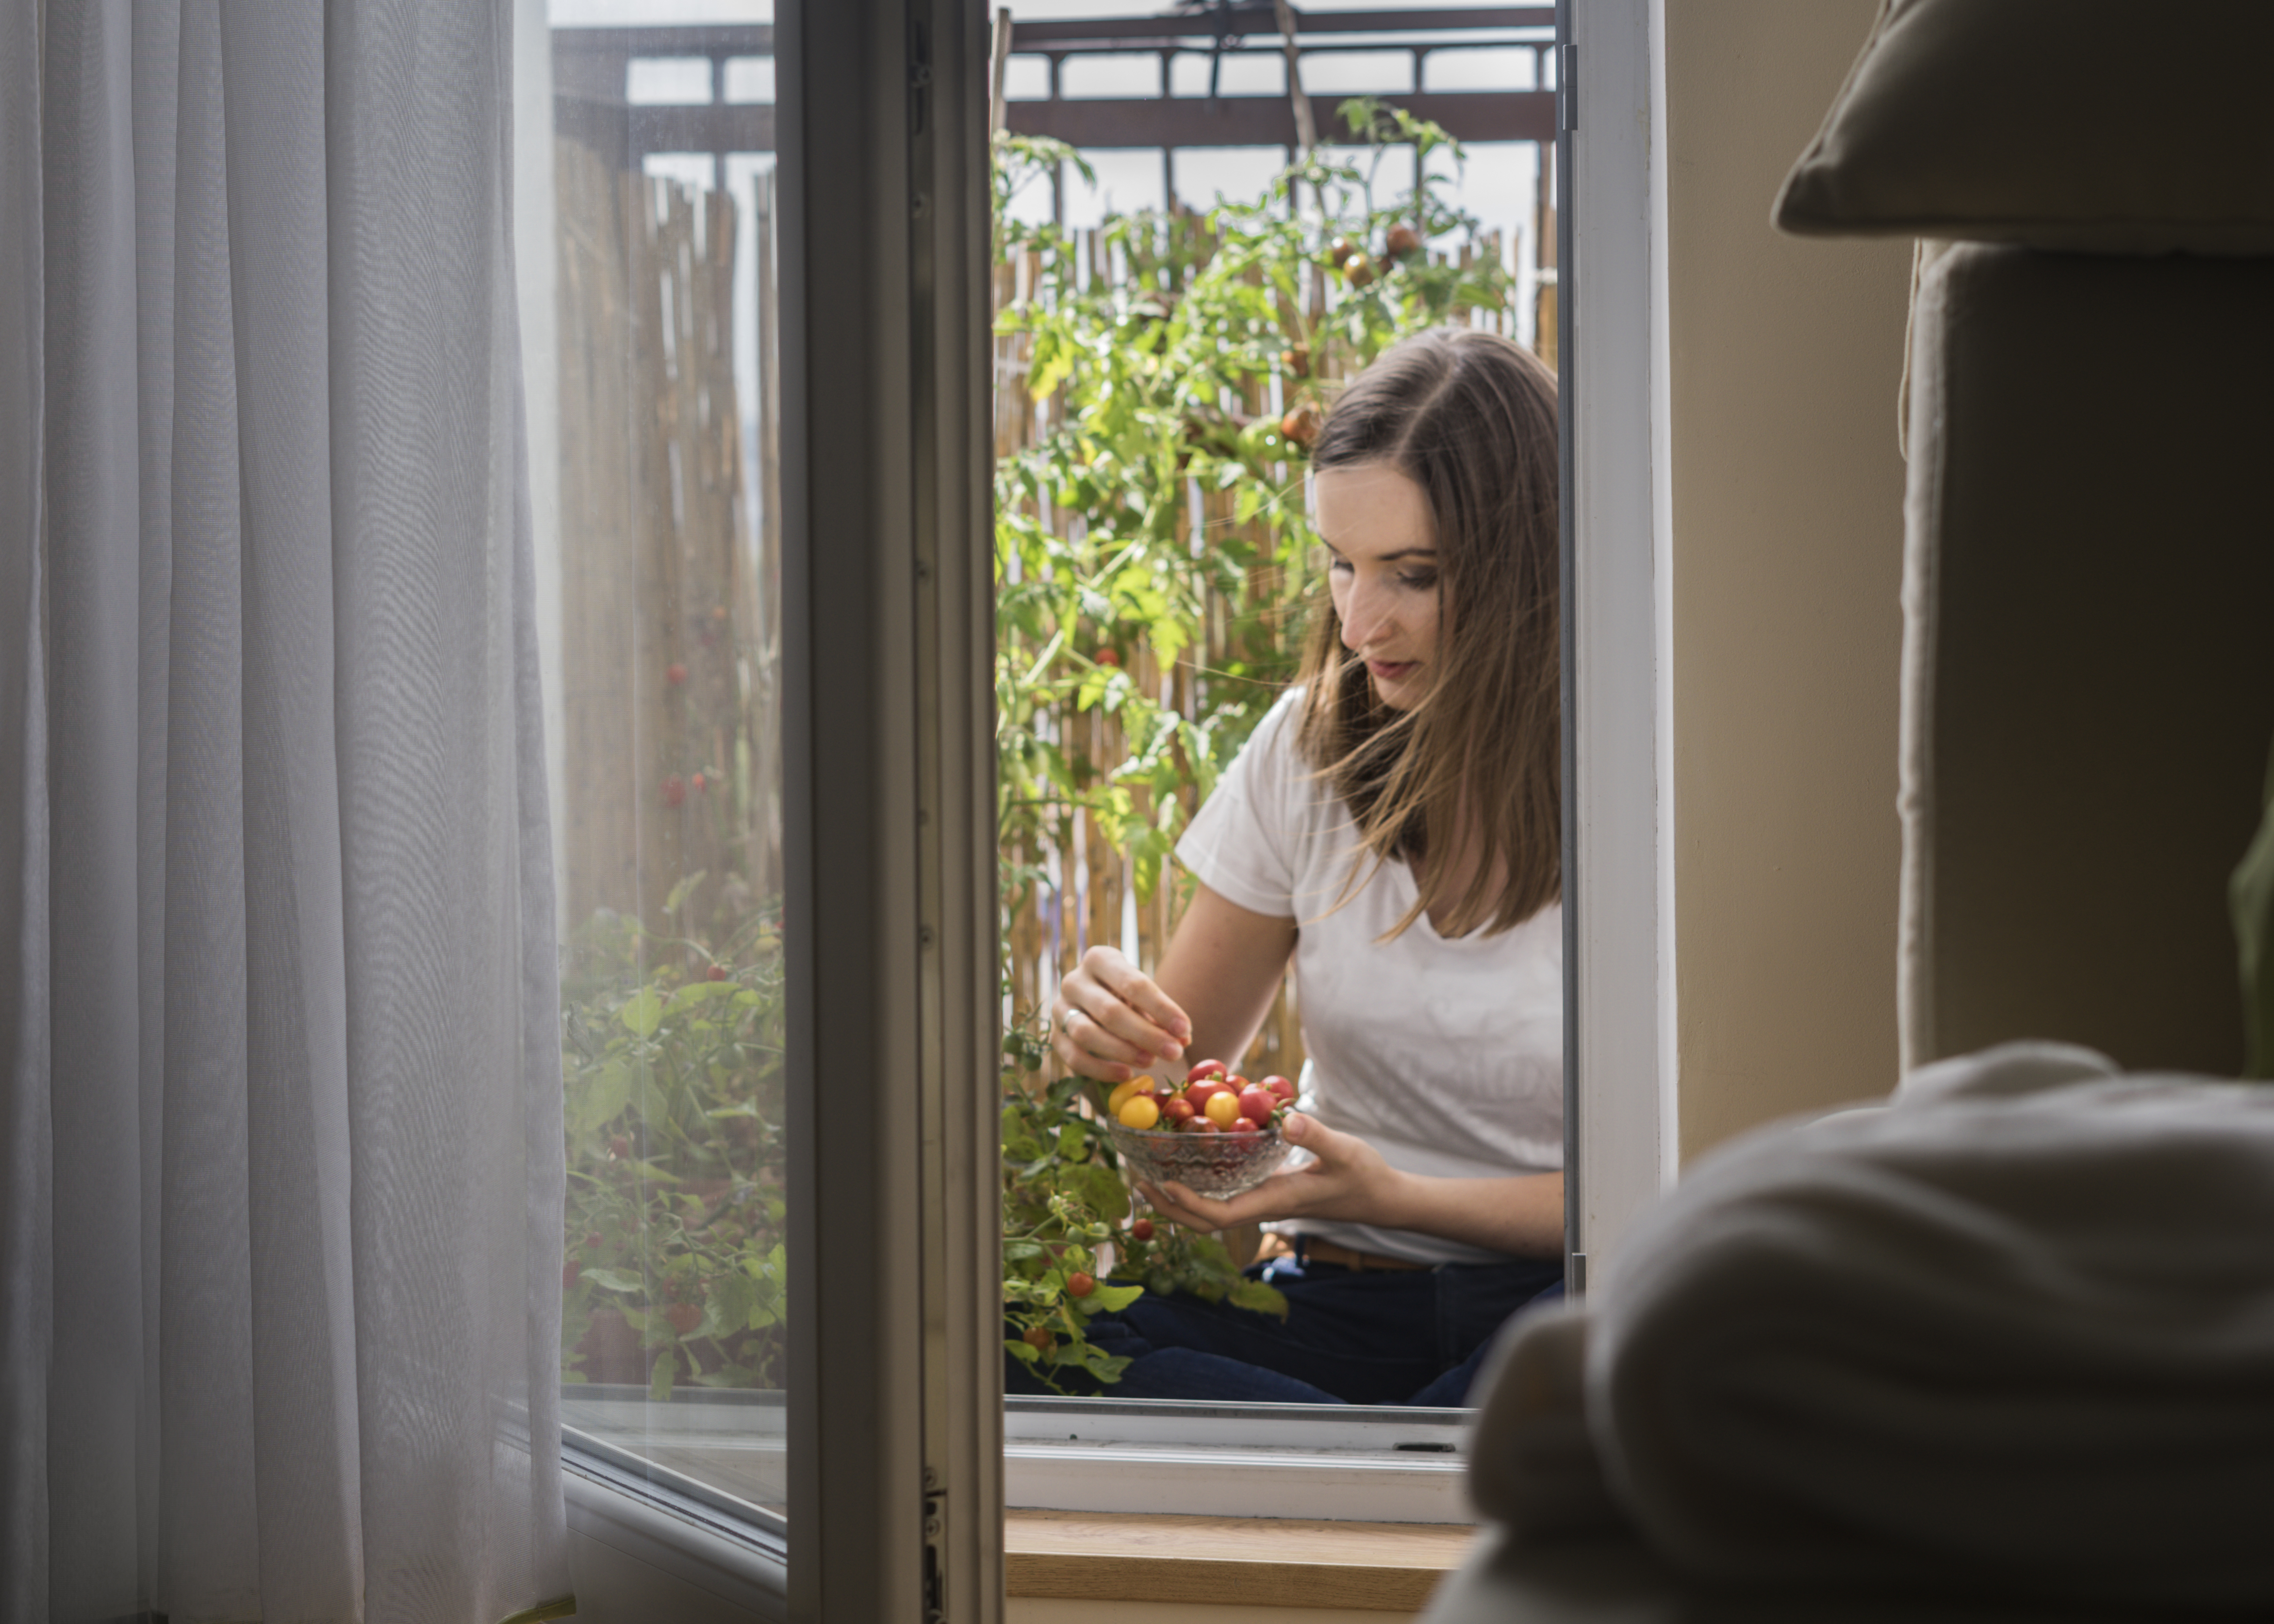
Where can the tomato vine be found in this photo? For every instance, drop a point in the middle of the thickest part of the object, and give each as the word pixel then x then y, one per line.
pixel 1186 382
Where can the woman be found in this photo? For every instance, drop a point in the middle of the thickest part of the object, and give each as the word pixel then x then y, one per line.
pixel 1393 827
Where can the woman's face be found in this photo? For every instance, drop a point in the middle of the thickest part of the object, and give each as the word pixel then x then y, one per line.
pixel 1382 558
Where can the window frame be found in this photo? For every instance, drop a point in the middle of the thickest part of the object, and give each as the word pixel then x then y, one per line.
pixel 894 1367
pixel 1620 988
pixel 910 966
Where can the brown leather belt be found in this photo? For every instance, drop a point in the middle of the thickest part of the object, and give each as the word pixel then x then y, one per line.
pixel 1313 1249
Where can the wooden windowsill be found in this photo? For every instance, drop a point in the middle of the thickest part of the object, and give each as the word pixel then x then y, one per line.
pixel 1091 1556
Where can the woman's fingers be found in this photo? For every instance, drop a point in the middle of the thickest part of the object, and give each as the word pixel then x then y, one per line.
pixel 1181 1206
pixel 1096 1024
pixel 1093 1037
pixel 1156 1018
pixel 1068 1025
pixel 1280 1196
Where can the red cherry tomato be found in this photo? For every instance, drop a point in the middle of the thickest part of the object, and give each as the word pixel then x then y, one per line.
pixel 718 972
pixel 1107 657
pixel 1204 1070
pixel 1141 1231
pixel 1241 1124
pixel 674 790
pixel 1039 1340
pixel 675 674
pixel 1200 1094
pixel 1200 1124
pixel 1257 1104
pixel 1176 1110
pixel 684 1317
pixel 1080 1284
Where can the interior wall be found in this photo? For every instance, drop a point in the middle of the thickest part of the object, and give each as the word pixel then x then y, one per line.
pixel 1783 517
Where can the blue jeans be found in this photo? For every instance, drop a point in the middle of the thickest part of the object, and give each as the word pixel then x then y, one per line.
pixel 1350 1336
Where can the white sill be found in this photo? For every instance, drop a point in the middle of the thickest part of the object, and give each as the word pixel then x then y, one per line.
pixel 1307 1462
pixel 1324 1463
pixel 681 1526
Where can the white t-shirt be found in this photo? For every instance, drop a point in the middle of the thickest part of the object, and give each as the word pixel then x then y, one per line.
pixel 1446 1055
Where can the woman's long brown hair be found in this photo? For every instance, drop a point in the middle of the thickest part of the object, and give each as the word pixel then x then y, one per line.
pixel 1471 418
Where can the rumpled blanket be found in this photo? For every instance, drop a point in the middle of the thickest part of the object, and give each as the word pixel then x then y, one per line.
pixel 2012 1332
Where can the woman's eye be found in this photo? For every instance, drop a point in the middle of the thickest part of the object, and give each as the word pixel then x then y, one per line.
pixel 1338 566
pixel 1419 581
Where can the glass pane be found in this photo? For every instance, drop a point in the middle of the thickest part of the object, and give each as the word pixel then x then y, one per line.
pixel 667 750
pixel 1162 588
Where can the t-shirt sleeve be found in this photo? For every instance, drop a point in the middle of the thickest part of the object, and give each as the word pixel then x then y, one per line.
pixel 1243 843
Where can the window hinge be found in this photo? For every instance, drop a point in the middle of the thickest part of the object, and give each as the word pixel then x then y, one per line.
pixel 935 1549
pixel 1567 84
pixel 1575 1276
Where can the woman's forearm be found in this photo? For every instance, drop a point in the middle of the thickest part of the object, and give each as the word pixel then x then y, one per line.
pixel 1522 1216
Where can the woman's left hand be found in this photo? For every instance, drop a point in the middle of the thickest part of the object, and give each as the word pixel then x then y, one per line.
pixel 1349 1180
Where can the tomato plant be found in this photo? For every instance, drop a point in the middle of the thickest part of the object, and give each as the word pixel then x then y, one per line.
pixel 672 1050
pixel 1063 1198
pixel 1198 372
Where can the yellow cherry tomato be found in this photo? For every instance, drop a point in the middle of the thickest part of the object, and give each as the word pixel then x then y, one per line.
pixel 1222 1109
pixel 1122 1093
pixel 1139 1111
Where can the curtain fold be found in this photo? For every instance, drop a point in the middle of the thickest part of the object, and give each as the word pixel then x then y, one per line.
pixel 279 1199
pixel 26 1320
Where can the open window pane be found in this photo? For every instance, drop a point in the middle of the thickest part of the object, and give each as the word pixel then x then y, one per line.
pixel 668 765
pixel 770 568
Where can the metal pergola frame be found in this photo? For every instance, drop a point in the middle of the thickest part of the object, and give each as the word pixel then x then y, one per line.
pixel 590 66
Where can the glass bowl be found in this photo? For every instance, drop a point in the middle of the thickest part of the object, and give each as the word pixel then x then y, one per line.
pixel 1219 1165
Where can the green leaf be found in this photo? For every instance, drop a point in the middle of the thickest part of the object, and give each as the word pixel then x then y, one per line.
pixel 642 1011
pixel 1099 1188
pixel 598 1097
pixel 616 1280
pixel 666 1370
pixel 699 992
pixel 1259 1298
pixel 1112 1299
pixel 679 892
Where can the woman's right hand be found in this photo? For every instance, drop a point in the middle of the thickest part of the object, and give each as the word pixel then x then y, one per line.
pixel 1110 1021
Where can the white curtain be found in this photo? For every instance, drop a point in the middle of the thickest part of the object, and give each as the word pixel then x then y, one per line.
pixel 280 1147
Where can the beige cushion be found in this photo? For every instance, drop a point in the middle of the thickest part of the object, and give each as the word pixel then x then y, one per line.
pixel 2088 656
pixel 2090 125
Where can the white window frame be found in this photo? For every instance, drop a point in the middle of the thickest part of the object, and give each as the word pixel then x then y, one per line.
pixel 1620 997
pixel 893 1443
pixel 1317 1461
pixel 1620 969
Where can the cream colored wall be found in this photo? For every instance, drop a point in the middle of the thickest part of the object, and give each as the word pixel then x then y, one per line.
pixel 1784 363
